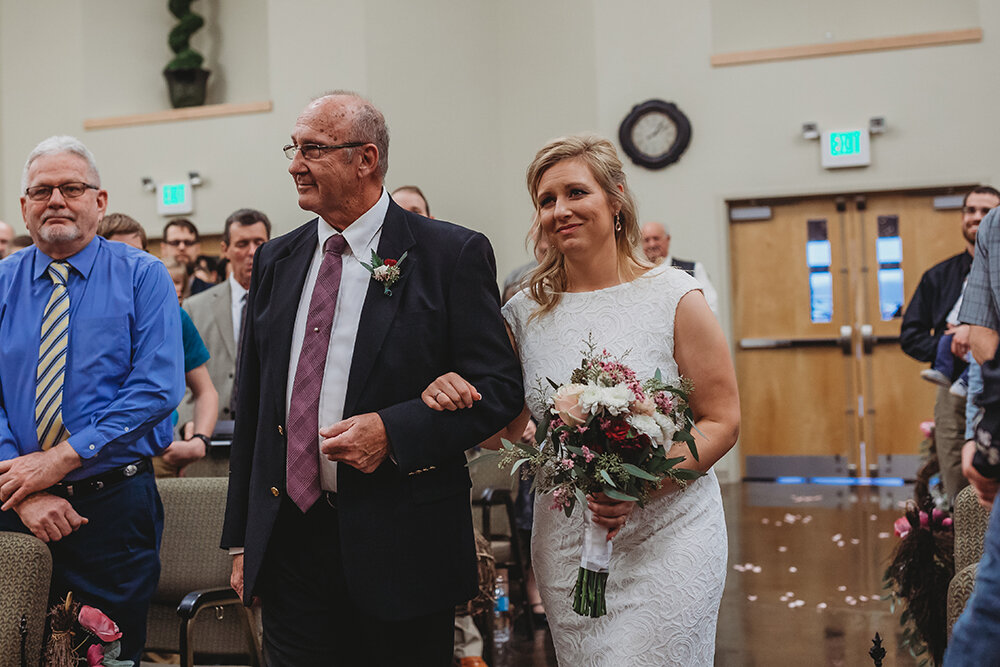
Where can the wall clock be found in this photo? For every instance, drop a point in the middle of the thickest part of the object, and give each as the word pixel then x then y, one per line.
pixel 655 134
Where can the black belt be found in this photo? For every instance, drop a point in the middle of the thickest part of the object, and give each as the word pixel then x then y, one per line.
pixel 91 485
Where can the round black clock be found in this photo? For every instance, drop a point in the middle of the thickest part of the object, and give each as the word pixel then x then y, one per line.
pixel 655 134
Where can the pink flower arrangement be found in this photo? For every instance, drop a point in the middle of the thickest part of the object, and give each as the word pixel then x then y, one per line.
pixel 98 623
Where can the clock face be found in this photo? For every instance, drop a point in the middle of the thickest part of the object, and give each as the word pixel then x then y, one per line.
pixel 655 134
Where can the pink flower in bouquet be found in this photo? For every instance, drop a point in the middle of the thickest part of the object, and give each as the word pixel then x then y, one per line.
pixel 566 403
pixel 94 620
pixel 95 655
pixel 567 463
pixel 588 455
pixel 901 527
pixel 560 498
pixel 645 406
pixel 927 428
pixel 664 402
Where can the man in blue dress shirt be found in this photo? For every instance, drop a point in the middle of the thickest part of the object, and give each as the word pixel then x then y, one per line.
pixel 90 362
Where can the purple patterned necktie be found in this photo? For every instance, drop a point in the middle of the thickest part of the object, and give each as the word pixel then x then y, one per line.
pixel 302 462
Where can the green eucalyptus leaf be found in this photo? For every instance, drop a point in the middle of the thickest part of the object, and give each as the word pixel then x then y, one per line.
pixel 618 495
pixel 687 474
pixel 636 471
pixel 607 478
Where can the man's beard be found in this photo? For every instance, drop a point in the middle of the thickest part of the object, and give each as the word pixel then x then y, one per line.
pixel 970 234
pixel 59 233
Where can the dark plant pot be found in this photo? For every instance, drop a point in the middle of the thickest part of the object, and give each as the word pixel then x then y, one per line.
pixel 187 86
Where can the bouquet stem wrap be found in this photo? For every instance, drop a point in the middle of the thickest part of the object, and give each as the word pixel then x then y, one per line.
pixel 592 579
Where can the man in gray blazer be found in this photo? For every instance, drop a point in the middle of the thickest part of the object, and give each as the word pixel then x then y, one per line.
pixel 218 312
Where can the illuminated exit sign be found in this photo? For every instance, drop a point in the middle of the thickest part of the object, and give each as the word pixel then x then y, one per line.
pixel 174 199
pixel 846 148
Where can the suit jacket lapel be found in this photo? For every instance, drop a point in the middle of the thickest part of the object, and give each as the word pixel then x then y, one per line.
pixel 289 278
pixel 222 313
pixel 380 309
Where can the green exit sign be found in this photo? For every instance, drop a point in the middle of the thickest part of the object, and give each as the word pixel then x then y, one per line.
pixel 174 199
pixel 173 194
pixel 846 148
pixel 845 143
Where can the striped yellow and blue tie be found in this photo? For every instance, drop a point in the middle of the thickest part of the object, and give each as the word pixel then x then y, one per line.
pixel 52 360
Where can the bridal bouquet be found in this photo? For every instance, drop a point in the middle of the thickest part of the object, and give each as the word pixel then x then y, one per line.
pixel 605 431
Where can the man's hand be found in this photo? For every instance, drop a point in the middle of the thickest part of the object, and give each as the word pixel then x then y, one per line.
pixel 48 517
pixel 236 577
pixel 24 475
pixel 182 452
pixel 960 341
pixel 359 441
pixel 986 489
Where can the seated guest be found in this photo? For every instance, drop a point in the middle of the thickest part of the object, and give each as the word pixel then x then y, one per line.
pixel 656 246
pixel 123 228
pixel 218 311
pixel 411 198
pixel 76 437
pixel 206 269
pixel 182 244
pixel 6 236
pixel 194 439
pixel 20 243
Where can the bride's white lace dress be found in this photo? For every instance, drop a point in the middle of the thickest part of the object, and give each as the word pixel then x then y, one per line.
pixel 668 565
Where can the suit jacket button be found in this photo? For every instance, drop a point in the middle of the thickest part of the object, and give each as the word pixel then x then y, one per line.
pixel 275 492
pixel 281 430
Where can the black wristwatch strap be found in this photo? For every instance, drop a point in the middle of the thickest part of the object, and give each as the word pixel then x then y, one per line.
pixel 204 438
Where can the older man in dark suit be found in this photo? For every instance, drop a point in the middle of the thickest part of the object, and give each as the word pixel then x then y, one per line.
pixel 348 509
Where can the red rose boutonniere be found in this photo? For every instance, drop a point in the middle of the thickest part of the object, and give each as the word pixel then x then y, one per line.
pixel 385 271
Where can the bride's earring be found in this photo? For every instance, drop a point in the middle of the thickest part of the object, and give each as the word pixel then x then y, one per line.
pixel 618 222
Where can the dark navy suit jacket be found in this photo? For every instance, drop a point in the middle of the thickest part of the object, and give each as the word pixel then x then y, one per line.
pixel 405 529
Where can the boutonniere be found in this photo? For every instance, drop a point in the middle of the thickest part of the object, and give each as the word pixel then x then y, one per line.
pixel 385 271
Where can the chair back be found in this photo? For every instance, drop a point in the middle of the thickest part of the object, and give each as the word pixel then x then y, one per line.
pixel 191 560
pixel 488 476
pixel 193 511
pixel 25 572
pixel 971 520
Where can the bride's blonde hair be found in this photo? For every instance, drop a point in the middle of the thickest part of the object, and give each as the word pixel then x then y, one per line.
pixel 548 281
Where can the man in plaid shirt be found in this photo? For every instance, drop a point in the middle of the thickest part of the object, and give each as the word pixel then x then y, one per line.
pixel 976 636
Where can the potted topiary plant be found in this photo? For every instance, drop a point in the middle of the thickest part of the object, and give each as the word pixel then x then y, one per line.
pixel 186 80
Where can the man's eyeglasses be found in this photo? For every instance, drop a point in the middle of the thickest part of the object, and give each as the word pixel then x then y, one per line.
pixel 176 243
pixel 972 210
pixel 68 190
pixel 314 151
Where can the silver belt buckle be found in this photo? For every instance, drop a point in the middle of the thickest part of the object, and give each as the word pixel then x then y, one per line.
pixel 130 470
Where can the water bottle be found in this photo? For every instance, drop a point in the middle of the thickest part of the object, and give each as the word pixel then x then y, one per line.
pixel 501 612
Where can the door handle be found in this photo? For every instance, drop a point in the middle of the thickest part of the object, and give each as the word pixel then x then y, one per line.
pixel 845 340
pixel 867 338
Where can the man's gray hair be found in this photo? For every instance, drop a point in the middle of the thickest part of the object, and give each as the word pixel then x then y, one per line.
pixel 61 144
pixel 369 126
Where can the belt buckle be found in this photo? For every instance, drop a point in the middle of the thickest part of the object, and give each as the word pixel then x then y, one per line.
pixel 130 470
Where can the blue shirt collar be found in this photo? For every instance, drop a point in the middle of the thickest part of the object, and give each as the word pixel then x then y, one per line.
pixel 82 261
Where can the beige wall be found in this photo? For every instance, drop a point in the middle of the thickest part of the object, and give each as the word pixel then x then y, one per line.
pixel 472 88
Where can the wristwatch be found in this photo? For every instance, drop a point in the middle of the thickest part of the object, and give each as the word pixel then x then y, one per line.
pixel 204 438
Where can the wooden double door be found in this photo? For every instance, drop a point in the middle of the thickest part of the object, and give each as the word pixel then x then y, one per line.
pixel 819 287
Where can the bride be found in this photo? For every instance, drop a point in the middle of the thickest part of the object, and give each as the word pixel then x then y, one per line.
pixel 668 565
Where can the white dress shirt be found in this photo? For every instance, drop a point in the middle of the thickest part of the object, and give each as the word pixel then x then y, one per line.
pixel 362 237
pixel 239 296
pixel 701 275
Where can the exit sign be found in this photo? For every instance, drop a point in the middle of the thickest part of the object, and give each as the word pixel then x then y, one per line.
pixel 174 199
pixel 846 148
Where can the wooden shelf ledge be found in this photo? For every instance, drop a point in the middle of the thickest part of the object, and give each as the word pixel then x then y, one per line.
pixel 854 46
pixel 171 115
